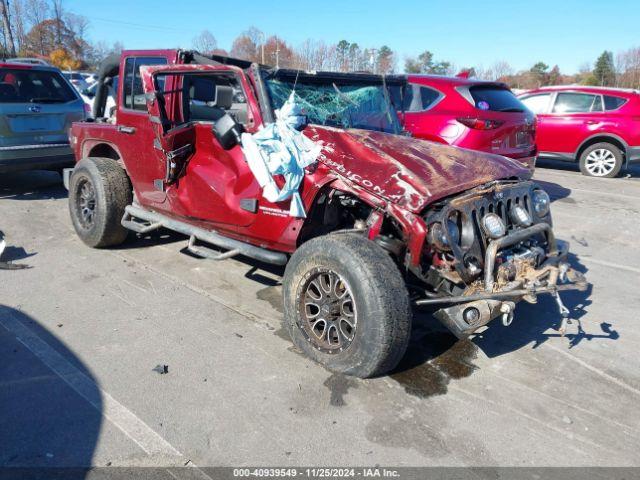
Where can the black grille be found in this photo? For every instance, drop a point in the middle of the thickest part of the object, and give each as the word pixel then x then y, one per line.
pixel 501 207
pixel 468 210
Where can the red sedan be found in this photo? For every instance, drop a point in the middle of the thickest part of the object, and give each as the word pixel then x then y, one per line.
pixel 597 127
pixel 472 114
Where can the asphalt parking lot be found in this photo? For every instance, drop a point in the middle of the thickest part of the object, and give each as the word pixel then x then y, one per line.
pixel 83 331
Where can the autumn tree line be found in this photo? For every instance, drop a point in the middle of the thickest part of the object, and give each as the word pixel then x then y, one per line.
pixel 46 29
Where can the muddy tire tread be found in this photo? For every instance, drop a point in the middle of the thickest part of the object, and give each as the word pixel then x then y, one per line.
pixel 388 300
pixel 113 188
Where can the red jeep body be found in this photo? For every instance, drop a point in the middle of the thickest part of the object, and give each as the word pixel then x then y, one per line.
pixel 383 212
pixel 392 172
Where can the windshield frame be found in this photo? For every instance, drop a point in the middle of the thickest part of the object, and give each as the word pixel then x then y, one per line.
pixel 337 80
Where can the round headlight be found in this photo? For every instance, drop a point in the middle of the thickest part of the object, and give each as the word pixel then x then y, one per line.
pixel 437 237
pixel 493 225
pixel 520 216
pixel 541 202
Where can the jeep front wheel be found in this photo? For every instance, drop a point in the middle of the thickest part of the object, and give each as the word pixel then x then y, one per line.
pixel 346 305
pixel 99 191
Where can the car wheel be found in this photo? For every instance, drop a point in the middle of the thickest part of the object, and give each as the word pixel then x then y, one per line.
pixel 99 191
pixel 601 160
pixel 346 305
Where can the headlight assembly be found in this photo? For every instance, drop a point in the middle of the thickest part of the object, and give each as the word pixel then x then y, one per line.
pixel 438 238
pixel 493 226
pixel 520 216
pixel 541 202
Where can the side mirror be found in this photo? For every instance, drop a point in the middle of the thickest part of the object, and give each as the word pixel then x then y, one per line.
pixel 227 131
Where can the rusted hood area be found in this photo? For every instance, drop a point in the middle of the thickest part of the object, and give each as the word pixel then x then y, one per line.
pixel 410 172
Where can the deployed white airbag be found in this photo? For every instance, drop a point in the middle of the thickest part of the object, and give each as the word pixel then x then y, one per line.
pixel 280 149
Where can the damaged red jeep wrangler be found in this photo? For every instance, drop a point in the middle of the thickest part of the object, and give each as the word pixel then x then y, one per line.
pixel 313 171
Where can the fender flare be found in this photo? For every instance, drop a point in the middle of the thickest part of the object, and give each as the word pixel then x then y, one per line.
pixel 89 144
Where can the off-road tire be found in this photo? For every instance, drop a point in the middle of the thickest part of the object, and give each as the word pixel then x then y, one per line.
pixel 382 307
pixel 112 189
pixel 615 152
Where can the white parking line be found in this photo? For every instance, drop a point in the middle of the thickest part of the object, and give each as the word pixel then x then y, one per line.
pixel 134 428
pixel 617 266
pixel 611 194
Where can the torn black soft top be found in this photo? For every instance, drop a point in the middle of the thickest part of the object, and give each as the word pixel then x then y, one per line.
pixel 108 69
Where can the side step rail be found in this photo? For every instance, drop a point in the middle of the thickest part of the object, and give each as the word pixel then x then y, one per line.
pixel 129 223
pixel 235 247
pixel 205 252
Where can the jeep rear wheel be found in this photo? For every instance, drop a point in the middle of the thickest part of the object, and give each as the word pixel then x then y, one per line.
pixel 99 191
pixel 346 305
pixel 601 160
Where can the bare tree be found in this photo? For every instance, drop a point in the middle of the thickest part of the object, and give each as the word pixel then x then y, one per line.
pixel 6 28
pixel 36 12
pixel 628 68
pixel 305 54
pixel 18 21
pixel 205 42
pixel 249 45
pixel 78 26
pixel 58 13
pixel 498 70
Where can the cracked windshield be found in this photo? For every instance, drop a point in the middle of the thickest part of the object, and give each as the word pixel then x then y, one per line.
pixel 355 105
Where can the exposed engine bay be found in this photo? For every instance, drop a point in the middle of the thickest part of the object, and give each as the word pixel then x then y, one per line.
pixel 489 248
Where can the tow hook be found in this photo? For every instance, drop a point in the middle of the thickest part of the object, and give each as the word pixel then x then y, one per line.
pixel 507 309
pixel 564 312
pixel 563 269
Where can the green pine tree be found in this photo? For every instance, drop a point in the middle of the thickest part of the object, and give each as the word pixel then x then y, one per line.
pixel 604 71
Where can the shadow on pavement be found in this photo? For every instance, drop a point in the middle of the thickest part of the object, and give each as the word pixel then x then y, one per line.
pixel 555 191
pixel 32 185
pixel 435 356
pixel 532 323
pixel 44 422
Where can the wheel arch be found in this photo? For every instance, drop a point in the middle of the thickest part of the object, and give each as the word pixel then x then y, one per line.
pixel 381 218
pixel 102 149
pixel 602 138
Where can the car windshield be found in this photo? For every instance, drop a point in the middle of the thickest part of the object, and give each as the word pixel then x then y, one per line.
pixel 340 104
pixel 33 86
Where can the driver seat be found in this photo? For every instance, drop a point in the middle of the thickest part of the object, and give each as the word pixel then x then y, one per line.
pixel 201 105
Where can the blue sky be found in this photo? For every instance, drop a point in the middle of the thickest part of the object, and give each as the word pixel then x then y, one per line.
pixel 468 33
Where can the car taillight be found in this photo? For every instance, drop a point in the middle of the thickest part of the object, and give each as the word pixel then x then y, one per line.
pixel 479 123
pixel 87 109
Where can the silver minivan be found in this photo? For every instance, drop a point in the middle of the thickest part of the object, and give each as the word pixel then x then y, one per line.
pixel 37 107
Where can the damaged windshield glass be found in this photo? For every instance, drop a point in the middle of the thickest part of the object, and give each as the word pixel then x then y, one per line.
pixel 338 104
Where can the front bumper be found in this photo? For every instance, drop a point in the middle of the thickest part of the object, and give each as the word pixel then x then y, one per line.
pixel 552 276
pixel 34 157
